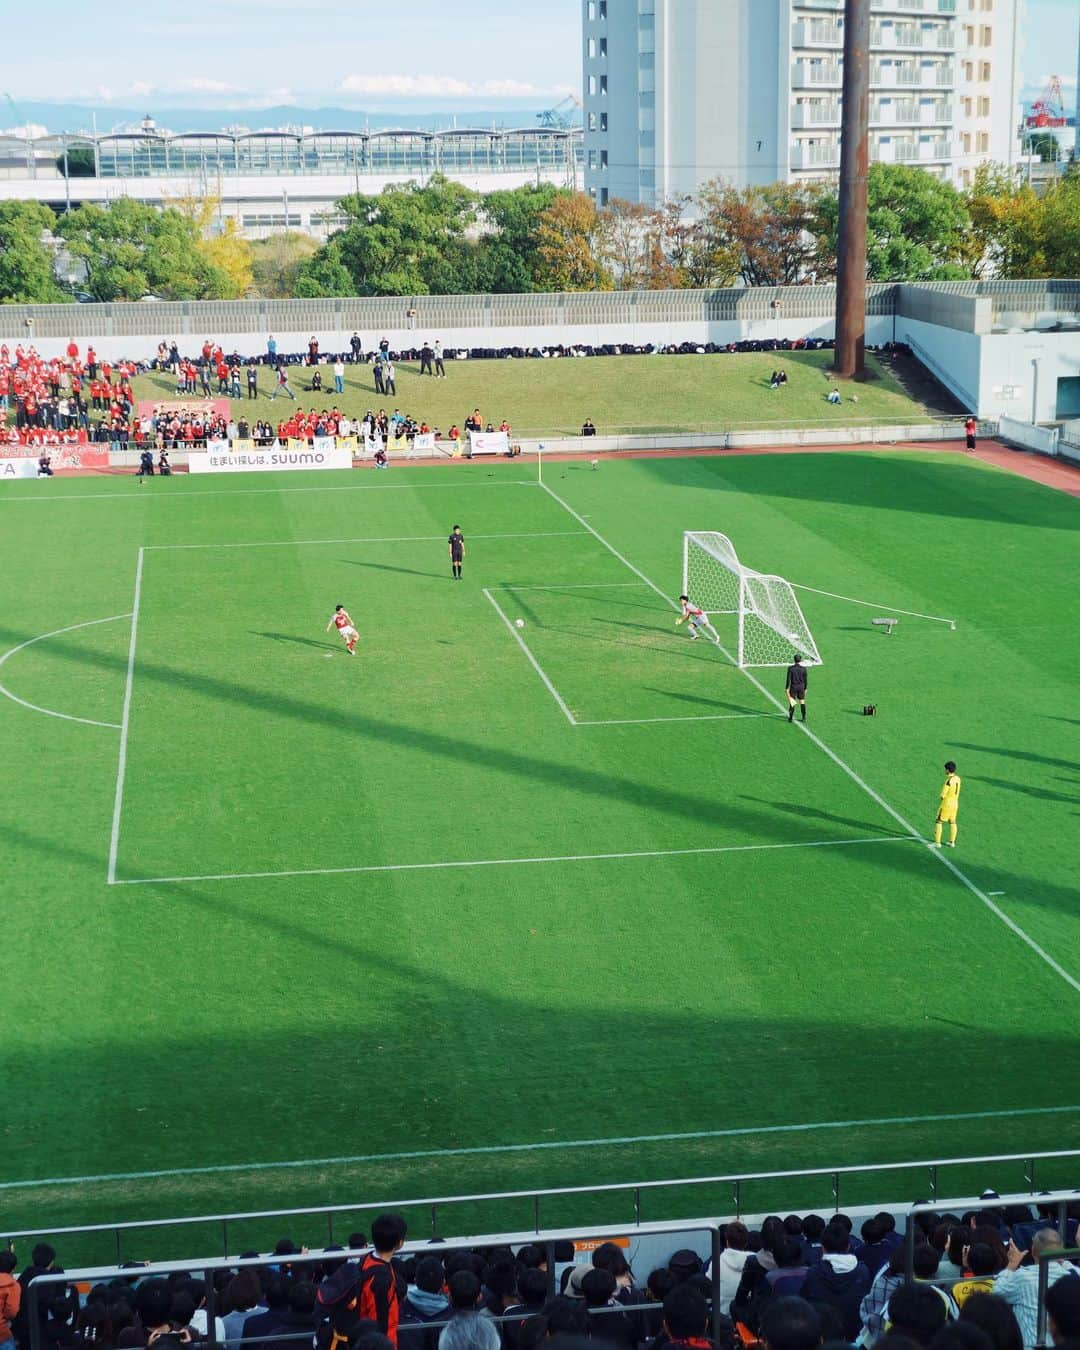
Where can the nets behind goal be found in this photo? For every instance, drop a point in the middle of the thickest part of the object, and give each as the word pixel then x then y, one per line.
pixel 771 624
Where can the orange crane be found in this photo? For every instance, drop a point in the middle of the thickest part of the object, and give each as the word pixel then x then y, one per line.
pixel 1048 110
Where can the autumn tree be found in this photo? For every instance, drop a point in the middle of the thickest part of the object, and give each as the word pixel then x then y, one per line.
pixel 772 229
pixel 276 262
pixel 568 239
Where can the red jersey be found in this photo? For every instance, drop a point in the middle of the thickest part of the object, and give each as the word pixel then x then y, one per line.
pixel 342 620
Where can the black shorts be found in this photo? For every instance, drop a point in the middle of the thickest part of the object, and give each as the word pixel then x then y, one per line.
pixel 798 694
pixel 457 557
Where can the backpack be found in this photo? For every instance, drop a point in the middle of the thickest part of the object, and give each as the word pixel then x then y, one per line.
pixel 337 1305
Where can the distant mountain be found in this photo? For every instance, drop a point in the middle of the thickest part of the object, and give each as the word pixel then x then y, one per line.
pixel 58 117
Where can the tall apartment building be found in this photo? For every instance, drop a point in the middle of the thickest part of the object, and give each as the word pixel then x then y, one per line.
pixel 677 92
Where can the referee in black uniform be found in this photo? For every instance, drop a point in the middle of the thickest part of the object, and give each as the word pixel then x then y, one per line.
pixel 457 551
pixel 795 688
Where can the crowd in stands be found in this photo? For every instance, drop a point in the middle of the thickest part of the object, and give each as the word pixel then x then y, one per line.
pixel 81 400
pixel 793 1283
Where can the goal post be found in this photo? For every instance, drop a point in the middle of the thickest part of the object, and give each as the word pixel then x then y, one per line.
pixel 771 624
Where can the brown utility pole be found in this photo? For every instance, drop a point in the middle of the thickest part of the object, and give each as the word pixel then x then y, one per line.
pixel 849 357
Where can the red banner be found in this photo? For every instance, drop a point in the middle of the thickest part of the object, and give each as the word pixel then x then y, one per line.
pixel 63 456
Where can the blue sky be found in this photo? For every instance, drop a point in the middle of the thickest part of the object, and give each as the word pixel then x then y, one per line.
pixel 410 55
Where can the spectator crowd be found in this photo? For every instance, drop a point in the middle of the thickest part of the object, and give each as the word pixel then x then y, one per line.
pixel 793 1283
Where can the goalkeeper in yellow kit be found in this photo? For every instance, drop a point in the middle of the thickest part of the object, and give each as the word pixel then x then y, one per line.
pixel 950 804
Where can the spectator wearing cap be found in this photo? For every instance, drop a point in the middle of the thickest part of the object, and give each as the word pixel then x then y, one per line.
pixel 1018 1283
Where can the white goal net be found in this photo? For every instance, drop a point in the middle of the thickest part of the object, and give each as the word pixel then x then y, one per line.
pixel 772 628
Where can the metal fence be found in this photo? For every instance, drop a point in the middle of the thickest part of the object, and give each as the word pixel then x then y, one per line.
pixel 932 1172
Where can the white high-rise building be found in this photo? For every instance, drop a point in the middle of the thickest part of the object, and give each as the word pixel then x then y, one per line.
pixel 678 92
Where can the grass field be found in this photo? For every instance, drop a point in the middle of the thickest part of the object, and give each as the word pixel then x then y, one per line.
pixel 647 393
pixel 401 910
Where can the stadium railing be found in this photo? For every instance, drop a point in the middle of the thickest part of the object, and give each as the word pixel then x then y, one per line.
pixel 738 1186
pixel 205 1269
pixel 548 1238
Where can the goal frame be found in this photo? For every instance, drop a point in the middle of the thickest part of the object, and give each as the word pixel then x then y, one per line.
pixel 742 604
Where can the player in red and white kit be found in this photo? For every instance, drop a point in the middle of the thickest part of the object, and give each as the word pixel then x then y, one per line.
pixel 692 615
pixel 343 623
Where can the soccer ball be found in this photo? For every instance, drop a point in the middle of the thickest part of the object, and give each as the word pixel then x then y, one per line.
pixel 520 623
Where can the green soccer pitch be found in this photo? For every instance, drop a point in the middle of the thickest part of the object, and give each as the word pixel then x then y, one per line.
pixel 490 907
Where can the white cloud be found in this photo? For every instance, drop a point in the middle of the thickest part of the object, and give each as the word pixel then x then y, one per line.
pixel 440 86
pixel 200 84
pixel 104 93
pixel 141 88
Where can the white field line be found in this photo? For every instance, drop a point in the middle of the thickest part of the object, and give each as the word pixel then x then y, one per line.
pixel 366 539
pixel 576 586
pixel 125 719
pixel 515 862
pixel 701 717
pixel 938 854
pixel 411 1155
pixel 885 609
pixel 168 494
pixel 532 660
pixel 51 712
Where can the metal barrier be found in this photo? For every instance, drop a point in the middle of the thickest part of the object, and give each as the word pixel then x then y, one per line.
pixel 634 1190
pixel 206 1268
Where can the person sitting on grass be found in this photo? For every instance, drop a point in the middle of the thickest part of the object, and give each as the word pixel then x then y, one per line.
pixel 833 396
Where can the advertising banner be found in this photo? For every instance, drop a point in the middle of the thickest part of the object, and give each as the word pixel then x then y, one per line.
pixel 272 459
pixel 489 443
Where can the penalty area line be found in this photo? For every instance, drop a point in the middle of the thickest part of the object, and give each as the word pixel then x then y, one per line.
pixel 515 862
pixel 546 1146
pixel 366 539
pixel 846 768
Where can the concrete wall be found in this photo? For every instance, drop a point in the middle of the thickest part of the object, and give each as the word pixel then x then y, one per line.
pixel 968 313
pixel 950 355
pixel 1027 366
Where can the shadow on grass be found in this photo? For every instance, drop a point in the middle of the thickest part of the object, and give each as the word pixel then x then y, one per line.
pixel 385 567
pixel 805 811
pixel 594 785
pixel 298 641
pixel 1028 756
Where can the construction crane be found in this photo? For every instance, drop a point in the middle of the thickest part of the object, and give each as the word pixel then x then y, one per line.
pixel 1048 110
pixel 558 118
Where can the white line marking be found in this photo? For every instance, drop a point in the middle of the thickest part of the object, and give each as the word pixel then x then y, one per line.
pixel 703 717
pixel 583 586
pixel 532 660
pixel 50 712
pixel 369 539
pixel 888 609
pixel 995 892
pixel 1009 1113
pixel 516 862
pixel 125 719
pixel 938 854
pixel 168 494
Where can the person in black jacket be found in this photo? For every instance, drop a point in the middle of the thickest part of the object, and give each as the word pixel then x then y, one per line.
pixel 425 1302
pixel 839 1279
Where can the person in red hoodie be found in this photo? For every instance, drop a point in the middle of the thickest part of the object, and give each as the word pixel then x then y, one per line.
pixel 10 1298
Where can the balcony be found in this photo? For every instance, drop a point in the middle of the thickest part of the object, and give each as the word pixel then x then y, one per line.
pixel 934 150
pixel 817 33
pixel 815 155
pixel 927 7
pixel 805 116
pixel 807 76
pixel 896 36
pixel 895 151
pixel 895 112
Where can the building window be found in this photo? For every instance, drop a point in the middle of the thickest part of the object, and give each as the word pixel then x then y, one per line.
pixel 969 71
pixel 592 122
pixel 603 196
pixel 603 159
pixel 968 105
pixel 984 106
pixel 603 48
pixel 603 9
pixel 986 36
pixel 591 11
pixel 603 121
pixel 592 86
pixel 984 142
pixel 966 140
pixel 984 72
pixel 592 49
pixel 987 5
pixel 603 86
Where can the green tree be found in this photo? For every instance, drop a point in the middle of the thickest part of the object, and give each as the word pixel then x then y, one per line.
pixel 509 254
pixel 1008 225
pixel 1044 145
pixel 276 262
pixel 399 242
pixel 916 226
pixel 131 249
pixel 324 274
pixel 26 263
pixel 80 162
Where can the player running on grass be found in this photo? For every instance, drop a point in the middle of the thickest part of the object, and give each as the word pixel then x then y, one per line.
pixel 343 623
pixel 950 805
pixel 692 615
